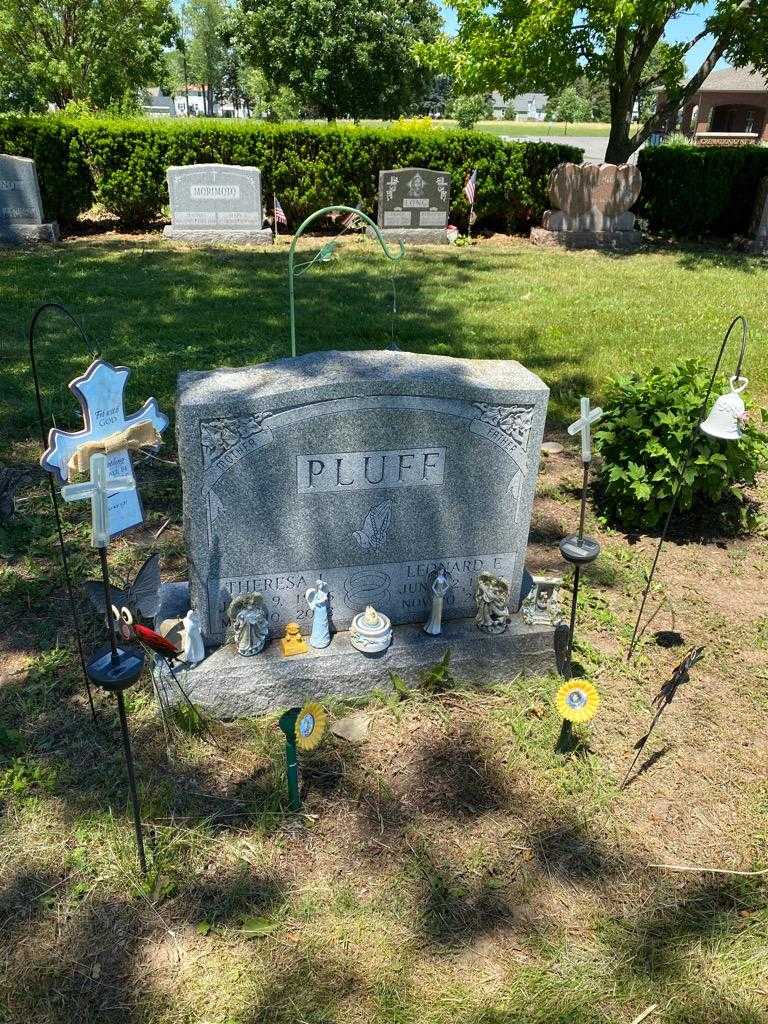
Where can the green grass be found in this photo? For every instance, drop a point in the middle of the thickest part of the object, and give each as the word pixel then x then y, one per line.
pixel 574 318
pixel 591 129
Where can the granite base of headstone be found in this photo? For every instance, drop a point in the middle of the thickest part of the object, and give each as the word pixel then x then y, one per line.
pixel 371 471
pixel 413 206
pixel 591 207
pixel 757 240
pixel 216 204
pixel 229 686
pixel 21 207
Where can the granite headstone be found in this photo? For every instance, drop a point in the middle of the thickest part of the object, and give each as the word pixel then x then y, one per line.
pixel 414 204
pixel 21 208
pixel 367 469
pixel 213 203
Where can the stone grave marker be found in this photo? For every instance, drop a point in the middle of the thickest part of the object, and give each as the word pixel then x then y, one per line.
pixel 758 228
pixel 213 203
pixel 21 208
pixel 414 204
pixel 370 471
pixel 591 207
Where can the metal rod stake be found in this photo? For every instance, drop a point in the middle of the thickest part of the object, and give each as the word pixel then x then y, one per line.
pixel 132 783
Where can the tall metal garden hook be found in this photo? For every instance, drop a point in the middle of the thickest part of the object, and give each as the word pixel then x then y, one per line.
pixel 52 488
pixel 681 480
pixel 325 254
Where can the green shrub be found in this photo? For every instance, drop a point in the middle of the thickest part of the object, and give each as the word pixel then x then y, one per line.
pixel 122 164
pixel 468 110
pixel 650 421
pixel 692 191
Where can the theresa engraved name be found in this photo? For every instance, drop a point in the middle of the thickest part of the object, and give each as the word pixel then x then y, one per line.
pixel 355 471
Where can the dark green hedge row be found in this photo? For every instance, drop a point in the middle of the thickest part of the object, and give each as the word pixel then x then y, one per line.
pixel 121 164
pixel 700 190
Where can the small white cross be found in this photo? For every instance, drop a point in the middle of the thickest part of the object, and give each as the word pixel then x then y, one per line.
pixel 98 489
pixel 583 425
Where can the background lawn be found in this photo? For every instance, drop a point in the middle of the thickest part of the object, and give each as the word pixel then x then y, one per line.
pixel 573 318
pixel 593 129
pixel 453 869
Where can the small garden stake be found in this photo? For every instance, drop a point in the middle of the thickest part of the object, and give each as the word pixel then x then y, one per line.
pixel 577 701
pixel 303 728
pixel 576 548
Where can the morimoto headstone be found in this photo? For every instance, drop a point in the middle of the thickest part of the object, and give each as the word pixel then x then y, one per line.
pixel 368 470
pixel 414 204
pixel 21 208
pixel 216 203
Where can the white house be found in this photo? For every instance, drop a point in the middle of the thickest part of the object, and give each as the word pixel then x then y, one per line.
pixel 527 106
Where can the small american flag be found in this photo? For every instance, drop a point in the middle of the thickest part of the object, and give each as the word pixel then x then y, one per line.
pixel 280 217
pixel 469 187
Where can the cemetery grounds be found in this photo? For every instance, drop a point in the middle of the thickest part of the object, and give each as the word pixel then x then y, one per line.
pixel 452 867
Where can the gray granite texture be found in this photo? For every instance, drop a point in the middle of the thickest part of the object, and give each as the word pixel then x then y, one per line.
pixel 619 240
pixel 228 686
pixel 21 208
pixel 368 469
pixel 412 236
pixel 216 203
pixel 414 198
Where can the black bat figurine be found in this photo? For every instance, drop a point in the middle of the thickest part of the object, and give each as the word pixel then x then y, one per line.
pixel 665 696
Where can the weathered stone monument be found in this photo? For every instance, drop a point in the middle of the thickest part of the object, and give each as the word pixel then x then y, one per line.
pixel 414 204
pixel 371 471
pixel 216 203
pixel 757 242
pixel 21 208
pixel 591 205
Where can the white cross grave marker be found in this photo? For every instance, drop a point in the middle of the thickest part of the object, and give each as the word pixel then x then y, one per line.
pixel 107 428
pixel 98 489
pixel 583 426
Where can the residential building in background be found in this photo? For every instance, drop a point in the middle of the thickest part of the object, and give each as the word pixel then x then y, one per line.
pixel 527 106
pixel 730 109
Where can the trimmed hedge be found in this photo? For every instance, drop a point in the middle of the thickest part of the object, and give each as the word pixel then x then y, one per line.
pixel 700 190
pixel 121 165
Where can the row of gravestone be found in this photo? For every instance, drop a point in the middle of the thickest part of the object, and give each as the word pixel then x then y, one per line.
pixel 223 203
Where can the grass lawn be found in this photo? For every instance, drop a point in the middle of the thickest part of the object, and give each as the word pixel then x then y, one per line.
pixel 453 869
pixel 591 129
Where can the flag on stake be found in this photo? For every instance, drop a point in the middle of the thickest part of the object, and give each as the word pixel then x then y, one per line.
pixel 280 217
pixel 469 188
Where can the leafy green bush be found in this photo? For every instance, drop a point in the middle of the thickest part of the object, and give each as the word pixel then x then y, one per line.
pixel 122 164
pixel 700 190
pixel 468 110
pixel 643 439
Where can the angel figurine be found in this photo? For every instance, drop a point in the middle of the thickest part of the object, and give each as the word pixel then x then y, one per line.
pixel 193 650
pixel 492 597
pixel 317 599
pixel 440 587
pixel 249 624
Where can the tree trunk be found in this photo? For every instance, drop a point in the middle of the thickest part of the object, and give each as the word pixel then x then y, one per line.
pixel 619 148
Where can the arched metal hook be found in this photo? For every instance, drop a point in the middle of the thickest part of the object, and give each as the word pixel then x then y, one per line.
pixel 51 486
pixel 325 254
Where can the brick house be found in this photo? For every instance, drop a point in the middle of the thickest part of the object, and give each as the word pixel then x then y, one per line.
pixel 730 108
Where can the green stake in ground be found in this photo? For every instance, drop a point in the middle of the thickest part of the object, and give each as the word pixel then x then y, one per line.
pixel 325 255
pixel 304 729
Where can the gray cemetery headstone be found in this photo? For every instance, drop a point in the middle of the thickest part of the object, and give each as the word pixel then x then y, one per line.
pixel 369 470
pixel 758 228
pixel 21 208
pixel 414 204
pixel 216 203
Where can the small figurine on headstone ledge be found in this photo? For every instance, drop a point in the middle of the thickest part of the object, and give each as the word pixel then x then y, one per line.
pixel 440 587
pixel 317 599
pixel 193 650
pixel 249 624
pixel 371 631
pixel 541 607
pixel 293 642
pixel 492 597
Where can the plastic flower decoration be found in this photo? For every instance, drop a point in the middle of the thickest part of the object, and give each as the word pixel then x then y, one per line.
pixel 577 700
pixel 311 724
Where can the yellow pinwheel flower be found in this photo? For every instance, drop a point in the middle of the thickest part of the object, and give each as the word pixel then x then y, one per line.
pixel 311 724
pixel 577 700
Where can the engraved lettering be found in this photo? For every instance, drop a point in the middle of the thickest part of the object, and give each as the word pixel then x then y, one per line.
pixel 368 459
pixel 355 471
pixel 339 481
pixel 402 465
pixel 316 467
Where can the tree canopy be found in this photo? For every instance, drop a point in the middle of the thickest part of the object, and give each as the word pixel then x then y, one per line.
pixel 513 45
pixel 89 51
pixel 351 58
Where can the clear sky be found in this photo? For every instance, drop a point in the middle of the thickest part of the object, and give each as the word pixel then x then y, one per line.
pixel 682 28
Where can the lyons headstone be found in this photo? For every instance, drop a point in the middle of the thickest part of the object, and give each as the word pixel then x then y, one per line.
pixel 591 207
pixel 216 203
pixel 21 208
pixel 370 471
pixel 414 204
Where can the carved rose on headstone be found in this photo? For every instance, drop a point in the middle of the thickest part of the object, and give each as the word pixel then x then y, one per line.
pixel 592 197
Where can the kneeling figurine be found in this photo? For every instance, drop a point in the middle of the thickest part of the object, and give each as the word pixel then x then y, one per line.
pixel 492 597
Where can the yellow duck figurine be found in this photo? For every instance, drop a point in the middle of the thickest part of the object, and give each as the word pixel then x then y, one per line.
pixel 293 642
